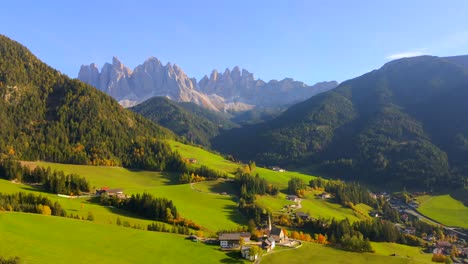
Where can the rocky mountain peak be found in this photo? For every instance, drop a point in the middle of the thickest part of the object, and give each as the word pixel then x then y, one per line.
pixel 234 89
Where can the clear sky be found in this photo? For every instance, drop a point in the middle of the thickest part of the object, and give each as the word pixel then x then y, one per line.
pixel 309 41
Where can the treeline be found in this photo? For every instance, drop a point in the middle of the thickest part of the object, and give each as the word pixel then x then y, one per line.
pixel 252 185
pixel 346 193
pixel 52 181
pixel 11 260
pixel 343 232
pixel 160 227
pixel 30 203
pixel 249 187
pixel 149 207
pixel 201 174
pixel 296 186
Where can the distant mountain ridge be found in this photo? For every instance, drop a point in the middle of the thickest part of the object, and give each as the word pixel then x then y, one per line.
pixel 404 123
pixel 235 90
pixel 188 120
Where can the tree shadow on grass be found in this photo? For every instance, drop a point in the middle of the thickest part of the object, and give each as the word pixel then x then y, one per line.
pixel 234 214
pixel 171 178
pixel 114 210
pixel 223 186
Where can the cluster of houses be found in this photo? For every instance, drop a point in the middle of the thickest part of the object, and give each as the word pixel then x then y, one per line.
pixel 241 240
pixel 445 248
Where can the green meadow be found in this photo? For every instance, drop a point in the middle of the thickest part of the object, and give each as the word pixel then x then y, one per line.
pixel 48 239
pixel 444 209
pixel 204 204
pixel 80 207
pixel 213 212
pixel 316 253
pixel 279 179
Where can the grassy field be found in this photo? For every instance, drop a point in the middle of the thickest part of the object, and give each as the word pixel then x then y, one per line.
pixel 279 179
pixel 204 157
pixel 81 207
pixel 444 209
pixel 47 239
pixel 316 208
pixel 213 212
pixel 316 253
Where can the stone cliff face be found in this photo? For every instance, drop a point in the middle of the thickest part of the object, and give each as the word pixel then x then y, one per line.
pixel 233 90
pixel 147 80
pixel 236 86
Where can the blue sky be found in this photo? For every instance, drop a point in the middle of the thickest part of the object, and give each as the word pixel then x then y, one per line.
pixel 309 41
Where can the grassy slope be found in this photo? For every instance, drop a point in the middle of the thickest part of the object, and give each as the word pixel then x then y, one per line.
pixel 81 207
pixel 444 209
pixel 316 207
pixel 213 212
pixel 86 242
pixel 211 160
pixel 315 253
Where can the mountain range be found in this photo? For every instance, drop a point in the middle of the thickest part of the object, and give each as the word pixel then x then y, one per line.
pixel 404 123
pixel 234 90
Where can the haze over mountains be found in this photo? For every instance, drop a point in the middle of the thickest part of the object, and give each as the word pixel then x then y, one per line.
pixel 233 90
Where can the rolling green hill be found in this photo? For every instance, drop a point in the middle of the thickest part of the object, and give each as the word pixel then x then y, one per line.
pixel 192 122
pixel 47 239
pixel 47 116
pixel 404 124
pixel 444 209
pixel 212 211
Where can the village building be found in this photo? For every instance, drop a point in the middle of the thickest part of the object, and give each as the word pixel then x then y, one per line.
pixel 268 244
pixel 324 195
pixel 111 192
pixel 276 168
pixel 277 234
pixel 232 240
pixel 292 198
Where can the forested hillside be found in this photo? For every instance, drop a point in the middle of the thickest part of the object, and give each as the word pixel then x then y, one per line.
pixel 188 120
pixel 44 115
pixel 405 123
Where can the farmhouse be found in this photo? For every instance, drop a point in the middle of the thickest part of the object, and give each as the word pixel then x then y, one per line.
pixel 268 244
pixel 232 240
pixel 292 198
pixel 111 192
pixel 276 168
pixel 324 195
pixel 277 234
